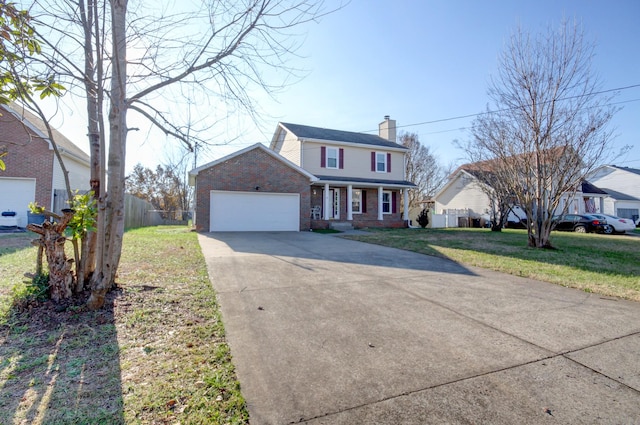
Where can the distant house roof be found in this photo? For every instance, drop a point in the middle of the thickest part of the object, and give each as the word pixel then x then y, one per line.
pixel 38 126
pixel 591 189
pixel 619 196
pixel 628 169
pixel 317 133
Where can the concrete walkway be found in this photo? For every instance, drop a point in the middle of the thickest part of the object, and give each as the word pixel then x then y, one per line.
pixel 325 330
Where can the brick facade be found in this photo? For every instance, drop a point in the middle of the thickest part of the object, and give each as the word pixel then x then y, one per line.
pixel 245 172
pixel 361 220
pixel 27 156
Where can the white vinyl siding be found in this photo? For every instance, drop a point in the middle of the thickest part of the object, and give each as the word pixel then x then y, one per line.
pixel 463 193
pixel 291 149
pixel 79 174
pixel 357 162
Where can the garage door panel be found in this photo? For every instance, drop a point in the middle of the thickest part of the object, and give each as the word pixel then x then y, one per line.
pixel 249 211
pixel 15 195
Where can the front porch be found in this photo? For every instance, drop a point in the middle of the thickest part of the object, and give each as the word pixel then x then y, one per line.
pixel 358 205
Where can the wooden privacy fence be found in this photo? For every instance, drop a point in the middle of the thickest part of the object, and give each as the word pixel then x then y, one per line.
pixel 137 212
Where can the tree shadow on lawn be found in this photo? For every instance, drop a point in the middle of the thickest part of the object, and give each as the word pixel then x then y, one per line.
pixel 60 364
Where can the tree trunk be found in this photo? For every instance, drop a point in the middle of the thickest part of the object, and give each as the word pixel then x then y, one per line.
pixel 52 240
pixel 111 209
pixel 93 88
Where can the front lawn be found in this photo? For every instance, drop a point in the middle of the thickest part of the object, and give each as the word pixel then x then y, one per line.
pixel 602 264
pixel 156 354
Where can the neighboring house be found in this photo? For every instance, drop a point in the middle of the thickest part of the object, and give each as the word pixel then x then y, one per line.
pixel 310 177
pixel 587 199
pixel 622 185
pixel 462 200
pixel 32 171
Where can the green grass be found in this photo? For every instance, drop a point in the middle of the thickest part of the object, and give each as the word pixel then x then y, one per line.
pixel 326 231
pixel 602 264
pixel 155 354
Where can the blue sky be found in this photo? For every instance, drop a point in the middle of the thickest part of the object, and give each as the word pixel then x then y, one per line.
pixel 420 61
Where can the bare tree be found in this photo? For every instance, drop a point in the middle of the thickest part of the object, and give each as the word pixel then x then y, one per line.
pixel 422 168
pixel 166 188
pixel 493 184
pixel 548 128
pixel 216 56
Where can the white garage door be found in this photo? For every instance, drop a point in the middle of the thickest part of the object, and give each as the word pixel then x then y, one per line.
pixel 15 195
pixel 254 211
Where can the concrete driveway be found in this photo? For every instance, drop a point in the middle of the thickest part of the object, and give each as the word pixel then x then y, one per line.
pixel 325 330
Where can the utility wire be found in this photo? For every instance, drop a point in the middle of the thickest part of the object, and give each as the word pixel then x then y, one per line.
pixel 507 109
pixel 482 113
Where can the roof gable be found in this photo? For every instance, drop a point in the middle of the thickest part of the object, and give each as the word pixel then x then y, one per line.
pixel 325 134
pixel 38 126
pixel 627 169
pixel 193 173
pixel 588 188
pixel 619 196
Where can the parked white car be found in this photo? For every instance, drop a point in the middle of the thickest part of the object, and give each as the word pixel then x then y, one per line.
pixel 617 224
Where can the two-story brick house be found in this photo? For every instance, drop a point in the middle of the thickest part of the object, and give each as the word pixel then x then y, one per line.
pixel 310 177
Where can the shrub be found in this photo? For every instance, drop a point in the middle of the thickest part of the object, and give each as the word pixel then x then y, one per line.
pixel 423 218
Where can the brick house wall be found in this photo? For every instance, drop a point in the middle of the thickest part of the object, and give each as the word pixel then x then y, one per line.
pixel 245 172
pixel 27 156
pixel 361 220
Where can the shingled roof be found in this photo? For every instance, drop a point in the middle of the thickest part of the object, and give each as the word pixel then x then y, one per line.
pixel 317 133
pixel 63 142
pixel 591 189
pixel 628 169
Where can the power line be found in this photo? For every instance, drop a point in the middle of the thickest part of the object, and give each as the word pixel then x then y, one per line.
pixel 468 128
pixel 478 114
pixel 459 117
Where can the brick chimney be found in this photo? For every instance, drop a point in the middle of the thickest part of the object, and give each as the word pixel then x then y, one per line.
pixel 387 129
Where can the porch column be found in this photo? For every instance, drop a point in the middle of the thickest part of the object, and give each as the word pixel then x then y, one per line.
pixel 405 214
pixel 380 216
pixel 601 210
pixel 350 202
pixel 325 202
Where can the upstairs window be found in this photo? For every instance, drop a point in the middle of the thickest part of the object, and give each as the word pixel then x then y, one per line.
pixel 381 162
pixel 331 157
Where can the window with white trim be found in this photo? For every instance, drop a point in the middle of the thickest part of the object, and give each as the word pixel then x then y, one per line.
pixel 381 162
pixel 356 201
pixel 386 202
pixel 332 157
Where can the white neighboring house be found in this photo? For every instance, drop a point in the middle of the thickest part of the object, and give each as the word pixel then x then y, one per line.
pixel 462 200
pixel 622 185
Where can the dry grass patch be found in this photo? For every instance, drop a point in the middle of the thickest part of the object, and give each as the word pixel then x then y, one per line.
pixel 155 354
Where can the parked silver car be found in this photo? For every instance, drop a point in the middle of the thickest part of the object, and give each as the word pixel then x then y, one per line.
pixel 616 224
